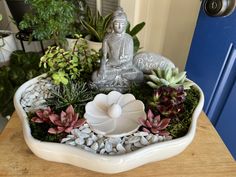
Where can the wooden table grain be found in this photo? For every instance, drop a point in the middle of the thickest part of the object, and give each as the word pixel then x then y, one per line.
pixel 207 156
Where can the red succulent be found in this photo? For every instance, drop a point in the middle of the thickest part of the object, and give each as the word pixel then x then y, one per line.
pixel 66 121
pixel 154 124
pixel 42 115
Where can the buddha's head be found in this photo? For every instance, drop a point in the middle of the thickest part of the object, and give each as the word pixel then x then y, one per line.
pixel 119 21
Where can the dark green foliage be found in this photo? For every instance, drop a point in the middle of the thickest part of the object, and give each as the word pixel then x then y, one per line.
pixel 141 92
pixel 96 25
pixel 40 132
pixel 133 32
pixel 23 66
pixel 75 94
pixel 50 19
pixel 180 127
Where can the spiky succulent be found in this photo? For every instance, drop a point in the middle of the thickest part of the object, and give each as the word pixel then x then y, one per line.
pixel 168 77
pixel 76 94
pixel 169 101
pixel 154 124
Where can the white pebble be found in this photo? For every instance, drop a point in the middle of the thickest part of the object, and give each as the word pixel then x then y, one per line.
pixel 141 134
pixel 138 144
pixel 65 140
pixel 133 139
pixel 120 148
pixel 144 141
pixel 73 143
pixel 94 137
pixel 86 130
pixel 79 141
pixel 149 137
pixel 108 146
pixel 128 148
pixel 102 151
pixel 161 138
pixel 89 149
pixel 114 140
pixel 95 146
pixel 89 141
pixel 154 139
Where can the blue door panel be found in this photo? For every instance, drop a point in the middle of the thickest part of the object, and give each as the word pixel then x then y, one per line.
pixel 212 65
pixel 210 44
pixel 224 126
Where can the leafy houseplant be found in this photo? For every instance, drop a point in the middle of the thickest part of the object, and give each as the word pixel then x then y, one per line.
pixel 51 19
pixel 74 64
pixel 96 25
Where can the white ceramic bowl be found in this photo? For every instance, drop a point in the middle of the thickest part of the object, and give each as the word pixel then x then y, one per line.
pixel 104 163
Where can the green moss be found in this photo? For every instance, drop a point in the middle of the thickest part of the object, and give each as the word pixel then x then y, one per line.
pixel 180 127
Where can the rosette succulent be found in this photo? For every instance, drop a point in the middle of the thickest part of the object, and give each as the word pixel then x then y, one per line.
pixel 42 115
pixel 169 101
pixel 66 121
pixel 168 77
pixel 154 124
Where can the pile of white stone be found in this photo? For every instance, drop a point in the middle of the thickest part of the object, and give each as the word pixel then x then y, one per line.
pixel 86 139
pixel 34 98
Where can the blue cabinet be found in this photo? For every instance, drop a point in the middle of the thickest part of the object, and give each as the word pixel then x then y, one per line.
pixel 212 65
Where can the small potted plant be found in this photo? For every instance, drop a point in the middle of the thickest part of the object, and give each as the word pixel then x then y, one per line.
pixel 49 20
pixel 7 45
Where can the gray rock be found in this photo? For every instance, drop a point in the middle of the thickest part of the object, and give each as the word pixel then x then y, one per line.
pixel 144 141
pixel 95 146
pixel 154 139
pixel 147 61
pixel 108 146
pixel 133 139
pixel 141 134
pixel 89 141
pixel 79 141
pixel 120 148
pixel 86 130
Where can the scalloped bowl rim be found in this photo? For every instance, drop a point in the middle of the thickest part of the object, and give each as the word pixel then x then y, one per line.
pixel 104 163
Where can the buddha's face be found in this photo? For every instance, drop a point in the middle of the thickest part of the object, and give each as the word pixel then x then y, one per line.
pixel 119 26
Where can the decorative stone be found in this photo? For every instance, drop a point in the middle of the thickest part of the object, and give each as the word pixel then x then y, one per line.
pixel 108 147
pixel 147 61
pixel 143 141
pixel 133 139
pixel 117 69
pixel 154 139
pixel 120 148
pixel 86 130
pixel 95 146
pixel 138 144
pixel 79 141
pixel 141 134
pixel 115 114
pixel 89 141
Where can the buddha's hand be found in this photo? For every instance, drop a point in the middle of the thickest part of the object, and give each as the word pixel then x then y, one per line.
pixel 123 59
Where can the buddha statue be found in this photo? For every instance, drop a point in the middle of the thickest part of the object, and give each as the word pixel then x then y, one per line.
pixel 117 69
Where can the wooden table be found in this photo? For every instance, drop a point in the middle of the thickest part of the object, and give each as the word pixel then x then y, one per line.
pixel 207 156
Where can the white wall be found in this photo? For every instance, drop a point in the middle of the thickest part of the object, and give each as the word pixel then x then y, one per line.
pixel 169 26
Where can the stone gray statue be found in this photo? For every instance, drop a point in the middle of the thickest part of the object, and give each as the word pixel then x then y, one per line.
pixel 117 69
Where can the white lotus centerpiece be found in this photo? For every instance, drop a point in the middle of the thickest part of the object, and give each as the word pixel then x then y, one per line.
pixel 115 114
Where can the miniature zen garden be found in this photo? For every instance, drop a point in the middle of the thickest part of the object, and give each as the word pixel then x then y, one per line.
pixel 110 102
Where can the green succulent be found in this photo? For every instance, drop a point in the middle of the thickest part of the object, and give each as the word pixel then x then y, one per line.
pixel 168 77
pixel 74 93
pixel 75 64
pixel 96 25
